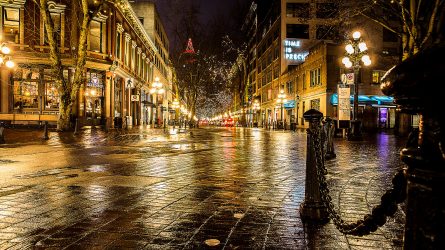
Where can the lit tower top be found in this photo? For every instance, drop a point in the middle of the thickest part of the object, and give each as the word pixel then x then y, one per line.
pixel 189 49
pixel 189 53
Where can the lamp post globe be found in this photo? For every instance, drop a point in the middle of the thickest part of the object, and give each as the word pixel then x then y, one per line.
pixel 356 54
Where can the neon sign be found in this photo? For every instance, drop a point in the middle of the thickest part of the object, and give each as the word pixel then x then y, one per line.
pixel 293 52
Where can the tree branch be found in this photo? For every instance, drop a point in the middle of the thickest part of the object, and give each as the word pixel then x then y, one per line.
pixel 431 24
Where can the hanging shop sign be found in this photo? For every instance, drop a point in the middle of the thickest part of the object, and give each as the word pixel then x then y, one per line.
pixel 134 98
pixel 344 103
pixel 293 52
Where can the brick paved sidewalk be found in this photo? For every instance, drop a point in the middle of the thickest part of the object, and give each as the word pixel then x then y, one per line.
pixel 144 189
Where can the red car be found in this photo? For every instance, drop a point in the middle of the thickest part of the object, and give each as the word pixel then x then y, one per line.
pixel 228 122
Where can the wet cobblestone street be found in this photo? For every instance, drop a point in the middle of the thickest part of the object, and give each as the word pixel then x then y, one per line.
pixel 211 188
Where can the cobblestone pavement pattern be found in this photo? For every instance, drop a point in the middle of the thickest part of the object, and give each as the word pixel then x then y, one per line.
pixel 218 188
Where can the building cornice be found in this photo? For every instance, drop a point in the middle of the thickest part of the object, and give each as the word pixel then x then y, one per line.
pixel 126 9
pixel 13 3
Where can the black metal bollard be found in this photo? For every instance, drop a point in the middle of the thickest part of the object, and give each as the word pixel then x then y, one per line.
pixel 2 133
pixel 45 131
pixel 330 130
pixel 313 208
pixel 425 157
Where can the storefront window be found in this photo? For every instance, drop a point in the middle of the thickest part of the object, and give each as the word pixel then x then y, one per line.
pixel 117 97
pixel 93 95
pixel 26 94
pixel 51 96
pixel 11 24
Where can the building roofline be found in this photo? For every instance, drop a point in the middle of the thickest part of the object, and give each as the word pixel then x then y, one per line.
pixel 125 7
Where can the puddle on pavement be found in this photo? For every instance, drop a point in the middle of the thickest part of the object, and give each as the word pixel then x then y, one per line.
pixel 212 242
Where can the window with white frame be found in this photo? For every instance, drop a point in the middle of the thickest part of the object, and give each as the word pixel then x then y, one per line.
pixel 315 77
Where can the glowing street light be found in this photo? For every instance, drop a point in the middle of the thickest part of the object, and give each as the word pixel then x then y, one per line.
pixel 282 99
pixel 4 56
pixel 356 52
pixel 156 89
pixel 256 107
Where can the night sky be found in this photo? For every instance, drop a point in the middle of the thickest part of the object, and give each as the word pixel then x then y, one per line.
pixel 208 10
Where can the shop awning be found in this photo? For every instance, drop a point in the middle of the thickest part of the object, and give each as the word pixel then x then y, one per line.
pixel 289 104
pixel 383 99
pixel 366 99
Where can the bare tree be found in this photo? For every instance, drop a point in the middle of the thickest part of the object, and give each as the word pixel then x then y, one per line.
pixel 83 11
pixel 418 23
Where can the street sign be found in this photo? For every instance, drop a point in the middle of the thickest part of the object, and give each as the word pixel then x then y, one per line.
pixel 134 98
pixel 129 83
pixel 344 103
pixel 347 78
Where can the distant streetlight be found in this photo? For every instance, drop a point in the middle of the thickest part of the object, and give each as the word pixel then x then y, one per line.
pixel 256 108
pixel 356 52
pixel 156 89
pixel 282 99
pixel 175 106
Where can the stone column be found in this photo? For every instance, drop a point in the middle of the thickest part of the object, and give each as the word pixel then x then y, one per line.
pixel 107 100
pixel 4 91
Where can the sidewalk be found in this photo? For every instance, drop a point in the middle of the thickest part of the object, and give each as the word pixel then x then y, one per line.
pixel 145 189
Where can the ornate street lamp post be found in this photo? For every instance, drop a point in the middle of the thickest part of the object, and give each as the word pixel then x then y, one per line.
pixel 356 53
pixel 281 100
pixel 256 108
pixel 156 89
pixel 175 106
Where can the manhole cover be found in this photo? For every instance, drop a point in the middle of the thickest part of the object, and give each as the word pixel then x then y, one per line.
pixel 212 242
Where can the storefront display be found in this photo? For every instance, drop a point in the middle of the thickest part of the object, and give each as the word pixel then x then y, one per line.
pixel 94 95
pixel 34 90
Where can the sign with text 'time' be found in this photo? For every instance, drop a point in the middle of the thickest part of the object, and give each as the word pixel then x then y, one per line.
pixel 344 103
pixel 293 52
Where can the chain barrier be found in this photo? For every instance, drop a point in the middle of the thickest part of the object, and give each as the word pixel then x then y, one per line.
pixel 370 222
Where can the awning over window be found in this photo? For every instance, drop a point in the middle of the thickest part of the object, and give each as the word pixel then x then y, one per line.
pixel 289 104
pixel 366 99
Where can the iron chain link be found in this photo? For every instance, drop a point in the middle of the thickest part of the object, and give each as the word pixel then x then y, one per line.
pixel 370 222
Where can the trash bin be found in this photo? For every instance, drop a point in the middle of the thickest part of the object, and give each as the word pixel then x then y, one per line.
pixel 118 122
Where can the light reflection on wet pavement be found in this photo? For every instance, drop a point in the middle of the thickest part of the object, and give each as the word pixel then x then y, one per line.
pixel 219 188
